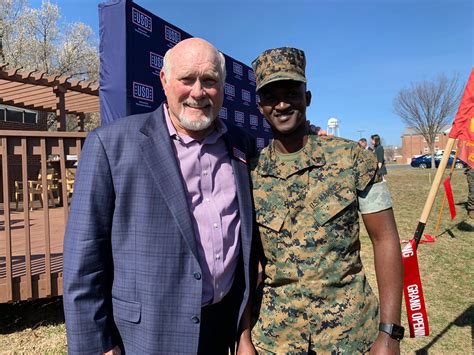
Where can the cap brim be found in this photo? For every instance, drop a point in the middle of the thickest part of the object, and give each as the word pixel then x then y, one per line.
pixel 281 76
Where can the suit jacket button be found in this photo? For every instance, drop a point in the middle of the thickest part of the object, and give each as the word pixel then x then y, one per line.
pixel 197 276
pixel 195 320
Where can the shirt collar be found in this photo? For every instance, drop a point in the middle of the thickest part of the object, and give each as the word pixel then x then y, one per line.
pixel 312 154
pixel 212 138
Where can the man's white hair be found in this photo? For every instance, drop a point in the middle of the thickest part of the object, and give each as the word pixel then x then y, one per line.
pixel 167 64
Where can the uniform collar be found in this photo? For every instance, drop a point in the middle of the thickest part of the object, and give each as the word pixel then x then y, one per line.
pixel 311 155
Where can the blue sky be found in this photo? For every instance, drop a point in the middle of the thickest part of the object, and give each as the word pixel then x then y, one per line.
pixel 359 53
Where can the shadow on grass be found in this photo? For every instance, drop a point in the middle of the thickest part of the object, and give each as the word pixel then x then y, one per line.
pixel 465 227
pixel 19 316
pixel 465 319
pixel 462 226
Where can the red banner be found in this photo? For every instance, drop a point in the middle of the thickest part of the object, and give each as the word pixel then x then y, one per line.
pixel 450 197
pixel 463 126
pixel 414 300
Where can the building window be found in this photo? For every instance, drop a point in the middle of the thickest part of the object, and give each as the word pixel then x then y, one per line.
pixel 29 117
pixel 437 139
pixel 13 114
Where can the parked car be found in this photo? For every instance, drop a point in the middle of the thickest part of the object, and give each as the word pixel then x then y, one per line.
pixel 424 162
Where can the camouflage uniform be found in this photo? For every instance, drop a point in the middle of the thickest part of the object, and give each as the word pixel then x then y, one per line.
pixel 315 295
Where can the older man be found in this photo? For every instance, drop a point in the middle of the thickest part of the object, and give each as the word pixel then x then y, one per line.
pixel 158 242
pixel 308 190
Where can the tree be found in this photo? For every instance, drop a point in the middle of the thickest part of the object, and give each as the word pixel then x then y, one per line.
pixel 38 39
pixel 427 106
pixel 10 16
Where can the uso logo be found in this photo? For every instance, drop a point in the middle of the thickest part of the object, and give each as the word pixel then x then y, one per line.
pixel 246 95
pixel 223 113
pixel 141 19
pixel 251 76
pixel 265 124
pixel 172 35
pixel 237 68
pixel 253 119
pixel 229 89
pixel 156 61
pixel 260 143
pixel 142 91
pixel 239 117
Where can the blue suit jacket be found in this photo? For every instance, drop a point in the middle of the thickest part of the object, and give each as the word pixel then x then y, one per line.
pixel 131 269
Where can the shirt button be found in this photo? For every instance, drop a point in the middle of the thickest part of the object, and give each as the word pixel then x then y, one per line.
pixel 218 257
pixel 215 225
pixel 204 172
pixel 197 276
pixel 195 320
pixel 206 199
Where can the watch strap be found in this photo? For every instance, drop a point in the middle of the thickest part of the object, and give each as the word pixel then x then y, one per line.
pixel 394 330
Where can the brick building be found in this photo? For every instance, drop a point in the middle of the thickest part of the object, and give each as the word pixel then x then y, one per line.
pixel 413 143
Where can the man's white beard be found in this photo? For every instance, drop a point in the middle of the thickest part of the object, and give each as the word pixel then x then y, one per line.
pixel 196 125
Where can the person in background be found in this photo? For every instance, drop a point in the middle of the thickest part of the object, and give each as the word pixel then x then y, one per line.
pixel 470 194
pixel 362 143
pixel 157 247
pixel 380 154
pixel 308 192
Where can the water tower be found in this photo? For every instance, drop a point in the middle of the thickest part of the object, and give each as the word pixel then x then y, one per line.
pixel 333 127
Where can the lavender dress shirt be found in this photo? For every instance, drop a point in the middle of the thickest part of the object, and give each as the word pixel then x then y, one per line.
pixel 212 197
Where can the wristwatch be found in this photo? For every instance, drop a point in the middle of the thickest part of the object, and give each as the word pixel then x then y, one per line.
pixel 394 330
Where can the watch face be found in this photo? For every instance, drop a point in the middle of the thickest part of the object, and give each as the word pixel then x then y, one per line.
pixel 397 332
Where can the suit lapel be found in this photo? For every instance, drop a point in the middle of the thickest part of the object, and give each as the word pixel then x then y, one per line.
pixel 244 198
pixel 160 158
pixel 245 205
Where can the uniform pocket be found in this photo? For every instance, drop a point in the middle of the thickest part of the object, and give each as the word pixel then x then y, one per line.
pixel 328 204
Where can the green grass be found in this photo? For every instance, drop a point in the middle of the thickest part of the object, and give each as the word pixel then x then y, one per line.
pixel 445 266
pixel 446 269
pixel 35 327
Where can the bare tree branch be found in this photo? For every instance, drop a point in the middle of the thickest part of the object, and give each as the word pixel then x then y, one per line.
pixel 428 106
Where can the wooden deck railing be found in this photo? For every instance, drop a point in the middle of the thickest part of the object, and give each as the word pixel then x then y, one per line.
pixel 31 241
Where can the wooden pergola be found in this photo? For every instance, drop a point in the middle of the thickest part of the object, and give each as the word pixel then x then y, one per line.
pixel 36 90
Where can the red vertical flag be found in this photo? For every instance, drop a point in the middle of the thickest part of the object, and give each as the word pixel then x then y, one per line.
pixel 450 197
pixel 463 126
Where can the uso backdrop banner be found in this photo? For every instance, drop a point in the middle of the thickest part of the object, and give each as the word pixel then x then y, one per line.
pixel 133 42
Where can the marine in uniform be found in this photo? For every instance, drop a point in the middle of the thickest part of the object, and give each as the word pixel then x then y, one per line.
pixel 308 192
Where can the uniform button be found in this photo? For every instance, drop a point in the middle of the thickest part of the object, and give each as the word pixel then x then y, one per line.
pixel 215 225
pixel 206 199
pixel 197 276
pixel 204 172
pixel 195 320
pixel 218 257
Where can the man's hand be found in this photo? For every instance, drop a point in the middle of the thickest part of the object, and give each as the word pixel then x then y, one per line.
pixel 246 348
pixel 385 345
pixel 115 351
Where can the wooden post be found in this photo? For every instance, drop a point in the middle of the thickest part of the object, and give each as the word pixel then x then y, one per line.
pixel 80 121
pixel 60 107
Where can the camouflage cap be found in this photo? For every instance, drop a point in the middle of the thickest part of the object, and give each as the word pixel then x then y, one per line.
pixel 279 64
